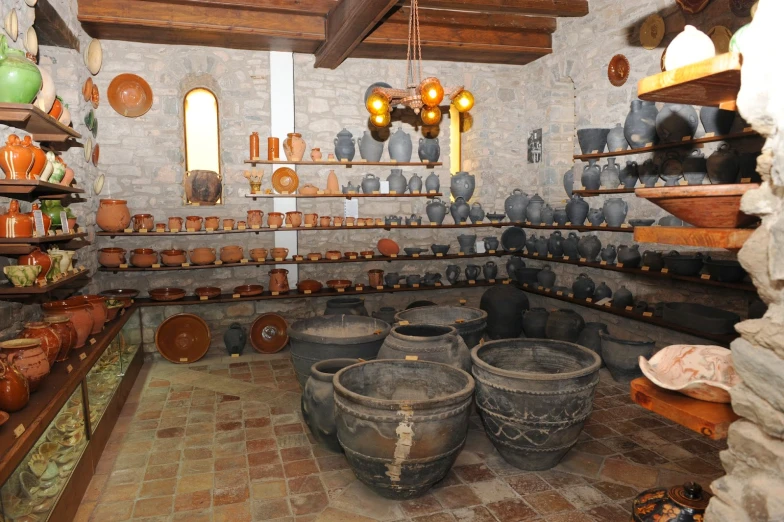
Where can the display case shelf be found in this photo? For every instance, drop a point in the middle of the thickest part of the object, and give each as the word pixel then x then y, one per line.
pixel 33 120
pixel 30 189
pixel 358 195
pixel 75 280
pixel 24 245
pixel 601 192
pixel 729 238
pixel 348 164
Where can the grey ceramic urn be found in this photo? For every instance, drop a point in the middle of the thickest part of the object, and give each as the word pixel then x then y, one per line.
pixel 415 184
pixel 577 210
pixel 592 175
pixel 639 129
pixel 429 149
pixel 477 214
pixel 436 211
pixel 616 141
pixel 432 183
pixel 629 174
pixel 235 338
pixel 459 210
pixel 649 173
pixel 397 181
pixel 400 147
pixel 369 148
pixel 611 175
pixel 344 146
pixel 694 167
pixel 370 183
pixel 515 206
pixel 533 210
pixel 614 211
pixel 589 247
pixel 676 122
pixel 462 185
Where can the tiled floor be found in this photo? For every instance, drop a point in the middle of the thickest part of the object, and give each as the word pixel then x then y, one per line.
pixel 223 441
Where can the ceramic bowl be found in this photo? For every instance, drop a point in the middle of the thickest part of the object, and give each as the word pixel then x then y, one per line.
pixel 269 333
pixel 366 253
pixel 22 275
pixel 413 250
pixel 309 284
pixel 208 291
pixel 338 283
pixel 333 254
pixel 387 247
pixel 700 371
pixel 183 338
pixel 166 294
pixel 93 57
pixel 248 290
pixel 494 216
pixel 314 256
pixel 439 249
pixel 349 255
pixel 130 95
pixel 126 295
pixel 641 222
pixel 258 254
pixel 725 270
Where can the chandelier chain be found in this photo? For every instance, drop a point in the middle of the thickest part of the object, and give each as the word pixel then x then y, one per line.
pixel 414 76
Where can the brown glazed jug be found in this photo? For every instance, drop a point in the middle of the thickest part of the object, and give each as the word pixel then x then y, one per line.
pixel 80 314
pixel 65 329
pixel 142 221
pixel 113 215
pixel 175 223
pixel 255 218
pixel 15 224
pixel 212 222
pixel 193 223
pixel 37 257
pixel 275 219
pixel 14 390
pixel 279 280
pixel 16 160
pixel 50 341
pixel 294 219
pixel 27 356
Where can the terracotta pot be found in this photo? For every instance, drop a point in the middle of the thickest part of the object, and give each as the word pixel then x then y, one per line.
pixel 203 187
pixel 80 314
pixel 173 257
pixel 27 356
pixel 14 389
pixel 242 224
pixel 280 253
pixel 97 308
pixel 111 257
pixel 325 221
pixel 37 257
pixel 112 312
pixel 228 223
pixel 193 223
pixel 279 281
pixel 66 330
pixel 175 223
pixel 258 254
pixel 294 219
pixel 202 256
pixel 256 218
pixel 142 221
pixel 16 160
pixel 160 227
pixel 231 254
pixel 46 218
pixel 39 158
pixel 212 222
pixel 113 215
pixel 337 221
pixel 15 224
pixel 143 257
pixel 376 277
pixel 333 254
pixel 274 219
pixel 50 340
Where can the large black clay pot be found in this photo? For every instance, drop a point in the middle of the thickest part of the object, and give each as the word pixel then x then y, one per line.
pixel 621 356
pixel 346 306
pixel 589 337
pixel 534 323
pixel 318 406
pixel 564 325
pixel 504 306
pixel 592 140
pixel 469 322
pixel 427 342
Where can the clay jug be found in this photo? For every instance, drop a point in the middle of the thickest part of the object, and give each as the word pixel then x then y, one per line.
pixel 452 273
pixel 211 223
pixel 530 244
pixel 472 272
pixel 66 330
pixel 601 292
pixel 370 149
pixel 235 338
pixel 676 122
pixel 616 141
pixel 429 149
pixel 614 211
pixel 14 388
pixel 546 277
pixel 279 281
pixel 568 181
pixel 294 219
pixel 533 211
pixel 491 243
pixel 649 173
pixel 546 215
pixel 541 246
pixel 560 217
pixel 622 298
pixel 534 322
pixel 589 246
pixel 370 183
pixel 555 244
pixel 16 160
pixel 490 270
pixel 583 287
pixel 202 256
pixel 611 174
pixel 142 221
pixel 50 340
pixel 570 246
pixel 608 253
pixel 15 224
pixel 629 256
pixel 477 214
pixel 294 146
pixel 80 314
pixel 723 165
pixel 564 325
pixel 37 257
pixel 595 217
pixel 27 356
pixel 175 224
pixel 397 182
pixel 592 176
pixel 694 167
pixel 515 205
pixel 432 183
pixel 20 78
pixel 113 215
pixel 39 158
pixel 459 210
pixel 344 145
pixel 333 187
pixel 577 210
pixel 628 175
pixel 274 219
pixel 400 146
pixel 653 260
pixel 393 278
pixel 639 129
pixel 462 185
pixel 415 184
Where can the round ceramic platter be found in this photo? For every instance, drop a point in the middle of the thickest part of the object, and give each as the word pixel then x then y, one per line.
pixel 98 184
pixel 269 333
pixel 652 31
pixel 12 24
pixel 130 95
pixel 88 150
pixel 285 181
pixel 721 37
pixel 618 70
pixel 183 338
pixel 93 56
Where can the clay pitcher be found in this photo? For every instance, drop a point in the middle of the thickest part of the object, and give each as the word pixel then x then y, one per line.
pixel 43 332
pixel 294 146
pixel 27 356
pixel 212 222
pixel 14 389
pixel 37 257
pixel 279 281
pixel 370 149
pixel 255 218
pixel 275 219
pixel 193 223
pixel 16 160
pixel 15 224
pixel 294 219
pixel 175 223
pixel 142 221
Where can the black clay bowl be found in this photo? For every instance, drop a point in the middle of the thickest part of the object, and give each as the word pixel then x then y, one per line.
pixel 439 249
pixel 685 265
pixel 700 317
pixel 413 250
pixel 725 270
pixel 513 239
pixel 592 140
pixel 494 216
pixel 641 222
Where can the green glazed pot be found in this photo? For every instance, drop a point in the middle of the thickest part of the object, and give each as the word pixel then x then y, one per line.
pixel 52 208
pixel 20 79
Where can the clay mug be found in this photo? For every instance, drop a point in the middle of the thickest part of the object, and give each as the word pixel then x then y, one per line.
pixel 325 221
pixel 241 224
pixel 311 219
pixel 337 221
pixel 349 221
pixel 279 281
pixel 193 223
pixel 294 219
pixel 258 254
pixel 280 253
pixel 160 227
pixel 202 256
pixel 228 224
pixel 142 221
pixel 256 218
pixel 275 219
pixel 212 222
pixel 376 277
pixel 175 223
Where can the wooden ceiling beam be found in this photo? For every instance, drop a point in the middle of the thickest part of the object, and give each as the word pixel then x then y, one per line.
pixel 319 7
pixel 543 24
pixel 347 24
pixel 536 7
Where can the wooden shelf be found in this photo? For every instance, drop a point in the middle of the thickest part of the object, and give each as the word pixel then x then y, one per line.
pixel 25 245
pixel 730 238
pixel 613 267
pixel 713 82
pixel 711 419
pixel 33 120
pixel 344 196
pixel 347 164
pixel 747 133
pixel 629 314
pixel 588 193
pixel 8 291
pixel 30 189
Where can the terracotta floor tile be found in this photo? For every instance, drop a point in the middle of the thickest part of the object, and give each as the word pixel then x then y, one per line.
pixel 514 510
pixel 198 500
pixel 232 513
pixel 225 463
pixel 170 433
pixel 570 516
pixel 230 495
pixel 258 422
pixel 158 488
pixel 608 513
pixel 268 490
pixel 266 472
pixel 492 490
pixel 421 506
pixel 112 511
pixel 527 484
pixel 255 446
pixel 231 478
pixel 120 492
pixel 473 473
pixel 150 507
pixel 197 453
pixel 628 473
pixel 264 457
pixel 297 453
pixel 583 497
pixel 332 463
pixel 306 484
pixel 191 483
pixel 473 514
pixel 548 502
pixel 436 517
pixel 161 472
pixel 300 468
pixel 308 503
pixel 457 497
pixel 646 457
pixel 95 488
pixel 270 509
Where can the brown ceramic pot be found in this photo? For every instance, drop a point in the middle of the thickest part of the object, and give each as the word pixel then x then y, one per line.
pixel 203 187
pixel 231 254
pixel 376 277
pixel 337 221
pixel 14 389
pixel 280 253
pixel 275 219
pixel 333 254
pixel 46 218
pixel 80 314
pixel 242 224
pixel 202 256
pixel 65 329
pixel 50 340
pixel 142 221
pixel 97 308
pixel 294 219
pixel 160 227
pixel 113 215
pixel 143 257
pixel 173 257
pixel 175 223
pixel 258 254
pixel 228 223
pixel 15 224
pixel 39 158
pixel 27 356
pixel 311 219
pixel 349 221
pixel 193 223
pixel 111 257
pixel 36 257
pixel 325 221
pixel 212 222
pixel 255 218
pixel 279 281
pixel 366 253
pixel 16 160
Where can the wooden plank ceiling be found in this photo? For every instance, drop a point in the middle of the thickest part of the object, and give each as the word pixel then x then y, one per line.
pixel 485 31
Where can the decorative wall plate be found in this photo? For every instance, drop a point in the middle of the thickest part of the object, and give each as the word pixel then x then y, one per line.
pixel 96 154
pixel 741 8
pixel 98 184
pixel 618 70
pixel 12 24
pixel 130 95
pixel 721 37
pixel 269 333
pixel 183 338
pixel 88 150
pixel 93 56
pixel 285 181
pixel 652 31
pixel 31 3
pixel 87 89
pixel 95 97
pixel 692 6
pixel 31 41
pixel 388 247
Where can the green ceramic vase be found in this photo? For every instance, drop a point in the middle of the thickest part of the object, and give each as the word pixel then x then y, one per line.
pixel 20 79
pixel 52 208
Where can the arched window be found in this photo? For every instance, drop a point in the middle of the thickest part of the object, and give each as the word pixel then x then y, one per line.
pixel 202 140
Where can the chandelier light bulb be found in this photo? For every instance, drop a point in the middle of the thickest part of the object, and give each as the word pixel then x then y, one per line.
pixel 464 101
pixel 432 91
pixel 377 104
pixel 431 115
pixel 380 120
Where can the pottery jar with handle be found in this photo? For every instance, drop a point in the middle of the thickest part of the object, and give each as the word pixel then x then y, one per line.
pixel 113 215
pixel 15 224
pixel 400 146
pixel 50 340
pixel 228 224
pixel 27 356
pixel 142 221
pixel 175 223
pixel 173 257
pixel 231 254
pixel 258 254
pixel 325 221
pixel 592 176
pixel 614 211
pixel 375 277
pixel 14 388
pixel 66 330
pixel 255 218
pixel 275 219
pixel 39 158
pixel 311 219
pixel 193 223
pixel 143 257
pixel 211 222
pixel 279 281
pixel 80 314
pixel 294 219
pixel 37 257
pixel 370 149
pixel 723 165
pixel 202 256
pixel 98 308
pixel 344 145
pixel 370 183
pixel 111 257
pixel 16 160
pixel 282 253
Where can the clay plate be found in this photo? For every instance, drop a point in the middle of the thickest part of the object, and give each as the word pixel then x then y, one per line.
pixel 248 290
pixel 704 206
pixel 208 291
pixel 269 333
pixel 387 247
pixel 96 154
pixel 95 97
pixel 652 31
pixel 618 70
pixel 130 95
pixel 166 294
pixel 87 89
pixel 183 338
pixel 126 295
pixel 338 283
pixel 309 284
pixel 285 181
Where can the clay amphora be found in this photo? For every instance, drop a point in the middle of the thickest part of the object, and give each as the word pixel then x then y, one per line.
pixel 490 270
pixel 583 287
pixel 452 273
pixel 555 244
pixel 608 253
pixel 616 141
pixel 533 211
pixel 294 146
pixel 279 253
pixel 611 173
pixel 429 149
pixel 570 246
pixel 472 272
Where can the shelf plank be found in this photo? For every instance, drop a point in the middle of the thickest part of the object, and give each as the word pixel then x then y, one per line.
pixel 588 193
pixel 730 238
pixel 711 419
pixel 25 245
pixel 33 120
pixel 35 188
pixel 344 196
pixel 348 164
pixel 9 291
pixel 713 82
pixel 746 133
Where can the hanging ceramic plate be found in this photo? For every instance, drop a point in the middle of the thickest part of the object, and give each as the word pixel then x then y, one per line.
pixel 183 338
pixel 269 333
pixel 721 37
pixel 96 154
pixel 741 8
pixel 88 150
pixel 87 89
pixel 98 184
pixel 31 41
pixel 652 31
pixel 93 56
pixel 94 130
pixel 95 97
pixel 618 70
pixel 692 6
pixel 285 181
pixel 130 95
pixel 12 24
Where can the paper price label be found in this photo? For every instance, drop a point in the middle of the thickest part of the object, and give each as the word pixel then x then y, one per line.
pixel 235 355
pixel 380 287
pixel 69 368
pixel 183 359
pixel 156 265
pixel 206 229
pixel 647 314
pixel 471 282
pixel 559 292
pixel 491 281
pixel 185 265
pixel 241 227
pixel 645 268
pixel 506 281
pixel 396 286
pixel 602 262
pixel 124 265
pixel 275 293
pixel 629 308
pixel 404 323
pixel 619 265
pixel 463 301
pixel 19 430
pixel 235 296
pixel 38 218
pixel 705 276
pixel 412 357
pixel 665 270
pixel 128 230
pixel 566 258
pixel 341 290
pixel 203 298
pixel 588 300
pixel 82 356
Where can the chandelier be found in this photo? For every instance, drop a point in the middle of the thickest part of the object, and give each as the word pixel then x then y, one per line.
pixel 423 96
